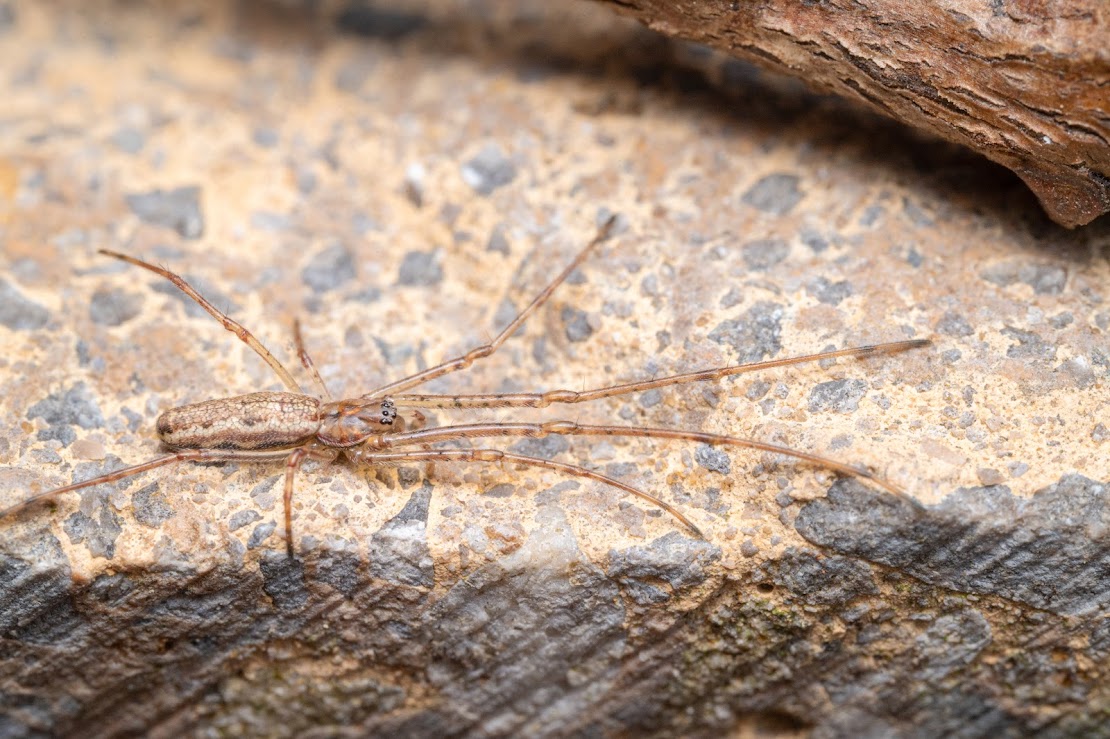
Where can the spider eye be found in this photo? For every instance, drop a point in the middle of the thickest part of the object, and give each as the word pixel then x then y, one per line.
pixel 389 413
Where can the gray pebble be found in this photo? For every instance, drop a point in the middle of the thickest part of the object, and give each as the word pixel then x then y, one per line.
pixel 178 209
pixel 488 170
pixel 1045 279
pixel 420 268
pixel 409 476
pixel 871 215
pixel 329 269
pixel 734 296
pixel 498 241
pixel 149 506
pixel 754 335
pixel 239 519
pixel 261 532
pixel 114 307
pixel 544 447
pixel 757 390
pixel 46 456
pixel 363 224
pixel 577 324
pixel 62 411
pixel 651 398
pixel 265 137
pixel 841 396
pixel 764 253
pixel 1029 346
pixel 663 340
pixel 129 140
pixel 1061 320
pixel 368 294
pixel 394 354
pixel 18 313
pixel 776 194
pixel 814 241
pixel 98 534
pixel 539 350
pixel 829 293
pixel 504 490
pixel 1079 371
pixel 713 459
pixel 953 324
pixel 621 469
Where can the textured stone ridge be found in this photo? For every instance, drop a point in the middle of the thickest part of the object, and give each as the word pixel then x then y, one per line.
pixel 1047 552
pixel 890 634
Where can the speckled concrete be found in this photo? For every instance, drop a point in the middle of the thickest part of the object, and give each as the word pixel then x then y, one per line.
pixel 403 180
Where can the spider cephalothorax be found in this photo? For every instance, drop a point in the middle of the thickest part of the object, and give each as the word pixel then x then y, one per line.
pixel 348 423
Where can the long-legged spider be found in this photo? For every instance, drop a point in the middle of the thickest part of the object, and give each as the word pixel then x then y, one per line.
pixel 294 426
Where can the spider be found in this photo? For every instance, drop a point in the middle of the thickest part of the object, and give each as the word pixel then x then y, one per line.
pixel 385 426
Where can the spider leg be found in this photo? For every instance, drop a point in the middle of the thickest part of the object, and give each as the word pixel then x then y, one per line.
pixel 183 455
pixel 572 428
pixel 481 352
pixel 229 323
pixel 306 360
pixel 542 400
pixel 498 456
pixel 292 463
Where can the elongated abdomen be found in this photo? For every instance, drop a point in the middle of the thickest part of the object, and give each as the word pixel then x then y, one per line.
pixel 255 421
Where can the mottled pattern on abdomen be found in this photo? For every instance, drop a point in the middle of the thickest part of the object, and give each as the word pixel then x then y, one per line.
pixel 255 421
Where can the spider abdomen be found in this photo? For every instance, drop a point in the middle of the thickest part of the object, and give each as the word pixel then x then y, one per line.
pixel 255 421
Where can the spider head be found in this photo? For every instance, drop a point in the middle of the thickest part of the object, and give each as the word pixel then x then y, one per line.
pixel 348 423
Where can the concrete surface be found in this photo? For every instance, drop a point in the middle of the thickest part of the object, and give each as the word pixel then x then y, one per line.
pixel 403 178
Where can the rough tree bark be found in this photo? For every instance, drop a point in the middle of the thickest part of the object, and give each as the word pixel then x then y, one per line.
pixel 1026 84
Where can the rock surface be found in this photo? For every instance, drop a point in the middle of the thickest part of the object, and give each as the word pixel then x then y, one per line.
pixel 402 178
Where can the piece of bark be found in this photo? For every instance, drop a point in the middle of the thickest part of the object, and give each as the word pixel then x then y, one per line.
pixel 1027 84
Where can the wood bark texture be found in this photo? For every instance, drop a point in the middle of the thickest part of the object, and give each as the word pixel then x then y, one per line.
pixel 1026 84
